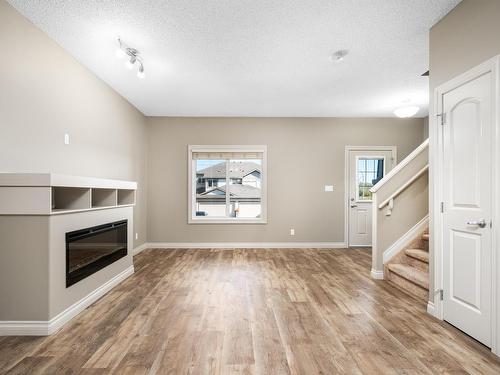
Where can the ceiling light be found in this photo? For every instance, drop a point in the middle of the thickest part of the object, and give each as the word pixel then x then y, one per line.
pixel 130 63
pixel 339 55
pixel 120 53
pixel 133 57
pixel 407 111
pixel 140 73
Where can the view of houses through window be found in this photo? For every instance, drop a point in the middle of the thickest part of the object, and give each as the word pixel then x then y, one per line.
pixel 369 172
pixel 229 188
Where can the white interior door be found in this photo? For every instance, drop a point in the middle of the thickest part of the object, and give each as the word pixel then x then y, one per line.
pixel 366 167
pixel 467 192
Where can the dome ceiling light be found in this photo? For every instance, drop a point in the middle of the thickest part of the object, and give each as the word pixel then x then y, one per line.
pixel 406 111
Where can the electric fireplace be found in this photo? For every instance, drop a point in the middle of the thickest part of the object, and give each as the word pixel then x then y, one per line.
pixel 91 249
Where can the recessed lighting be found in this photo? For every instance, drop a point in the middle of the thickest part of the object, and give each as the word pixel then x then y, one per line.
pixel 339 55
pixel 407 111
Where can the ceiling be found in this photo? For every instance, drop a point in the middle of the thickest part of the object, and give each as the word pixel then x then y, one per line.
pixel 253 57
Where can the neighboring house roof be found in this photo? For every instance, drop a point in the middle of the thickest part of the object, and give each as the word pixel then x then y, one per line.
pixel 235 191
pixel 237 169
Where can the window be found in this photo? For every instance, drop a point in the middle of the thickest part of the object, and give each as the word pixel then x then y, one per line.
pixel 369 171
pixel 227 184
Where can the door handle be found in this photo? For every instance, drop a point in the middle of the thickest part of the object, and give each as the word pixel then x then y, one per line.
pixel 353 205
pixel 481 223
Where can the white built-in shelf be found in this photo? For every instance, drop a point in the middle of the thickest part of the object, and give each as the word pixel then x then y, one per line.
pixel 70 198
pixel 104 197
pixel 126 196
pixel 51 194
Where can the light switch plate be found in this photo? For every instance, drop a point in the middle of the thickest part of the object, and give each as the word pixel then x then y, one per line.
pixel 328 187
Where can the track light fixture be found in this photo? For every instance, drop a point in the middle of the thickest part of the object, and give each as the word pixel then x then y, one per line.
pixel 133 57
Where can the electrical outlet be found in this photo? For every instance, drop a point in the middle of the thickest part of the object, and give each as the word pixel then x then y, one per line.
pixel 66 139
pixel 328 187
pixel 137 236
pixel 292 232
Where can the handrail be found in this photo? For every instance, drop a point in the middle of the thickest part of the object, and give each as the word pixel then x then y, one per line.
pixel 401 165
pixel 402 188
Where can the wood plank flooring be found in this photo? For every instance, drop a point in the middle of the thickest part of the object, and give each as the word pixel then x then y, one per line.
pixel 252 311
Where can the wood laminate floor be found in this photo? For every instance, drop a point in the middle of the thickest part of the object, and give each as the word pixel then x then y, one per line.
pixel 262 311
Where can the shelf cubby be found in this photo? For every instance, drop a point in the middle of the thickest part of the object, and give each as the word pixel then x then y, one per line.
pixel 126 197
pixel 104 197
pixel 70 198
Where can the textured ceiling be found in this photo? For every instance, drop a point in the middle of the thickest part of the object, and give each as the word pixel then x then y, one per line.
pixel 252 57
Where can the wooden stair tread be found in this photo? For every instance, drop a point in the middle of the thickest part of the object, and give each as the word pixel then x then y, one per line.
pixel 419 254
pixel 412 274
pixel 425 236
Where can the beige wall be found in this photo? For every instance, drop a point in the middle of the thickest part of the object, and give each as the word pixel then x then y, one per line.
pixel 45 93
pixel 425 133
pixel 466 37
pixel 304 155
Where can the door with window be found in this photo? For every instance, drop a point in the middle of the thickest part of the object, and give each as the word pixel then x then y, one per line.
pixel 366 168
pixel 467 133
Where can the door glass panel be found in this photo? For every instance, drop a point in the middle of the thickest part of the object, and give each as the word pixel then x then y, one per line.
pixel 369 171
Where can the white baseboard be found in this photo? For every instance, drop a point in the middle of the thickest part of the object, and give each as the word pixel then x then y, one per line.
pixel 405 239
pixel 140 248
pixel 430 308
pixel 245 245
pixel 24 328
pixel 45 328
pixel 377 275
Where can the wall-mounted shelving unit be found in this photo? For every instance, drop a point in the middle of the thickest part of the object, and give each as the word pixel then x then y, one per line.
pixel 51 194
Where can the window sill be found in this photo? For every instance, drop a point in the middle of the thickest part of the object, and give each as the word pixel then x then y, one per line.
pixel 227 221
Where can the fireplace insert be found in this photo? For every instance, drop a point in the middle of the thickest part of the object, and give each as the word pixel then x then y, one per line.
pixel 91 249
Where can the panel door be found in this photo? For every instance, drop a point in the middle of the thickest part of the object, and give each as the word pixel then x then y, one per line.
pixel 467 140
pixel 366 168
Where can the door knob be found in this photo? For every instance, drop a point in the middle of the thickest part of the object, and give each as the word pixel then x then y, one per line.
pixel 481 223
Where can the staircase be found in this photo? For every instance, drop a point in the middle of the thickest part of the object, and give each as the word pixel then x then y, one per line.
pixel 409 269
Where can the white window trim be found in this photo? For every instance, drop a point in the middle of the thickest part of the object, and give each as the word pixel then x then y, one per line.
pixel 192 218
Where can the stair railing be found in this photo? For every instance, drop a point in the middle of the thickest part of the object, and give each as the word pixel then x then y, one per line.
pixel 386 228
pixel 390 201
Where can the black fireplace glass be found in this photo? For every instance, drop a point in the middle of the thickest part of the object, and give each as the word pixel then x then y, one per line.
pixel 91 249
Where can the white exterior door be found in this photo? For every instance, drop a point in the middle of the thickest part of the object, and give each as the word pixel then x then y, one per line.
pixel 366 167
pixel 467 191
